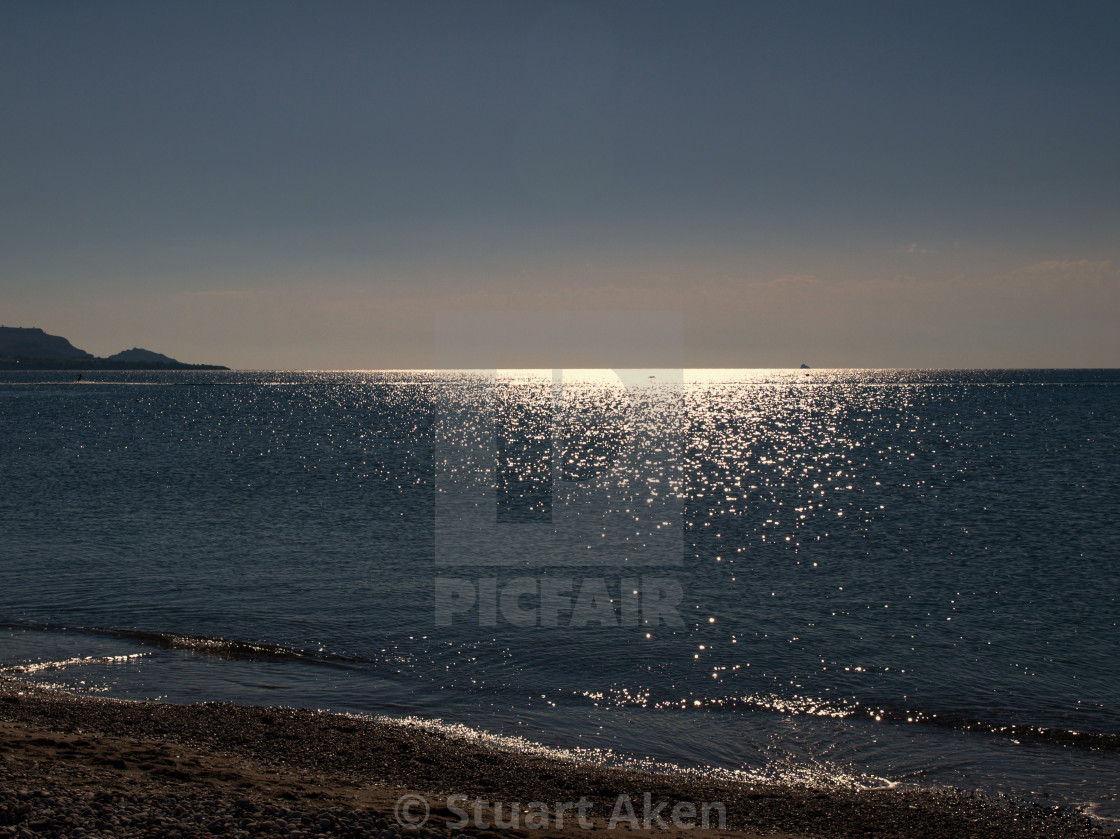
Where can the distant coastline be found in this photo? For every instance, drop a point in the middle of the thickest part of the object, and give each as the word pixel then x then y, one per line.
pixel 30 348
pixel 25 363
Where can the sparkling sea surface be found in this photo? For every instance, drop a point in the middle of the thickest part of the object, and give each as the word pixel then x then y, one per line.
pixel 865 577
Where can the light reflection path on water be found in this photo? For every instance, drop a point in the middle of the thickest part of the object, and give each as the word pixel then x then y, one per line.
pixel 864 552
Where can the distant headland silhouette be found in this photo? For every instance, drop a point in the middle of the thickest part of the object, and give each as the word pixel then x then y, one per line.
pixel 30 348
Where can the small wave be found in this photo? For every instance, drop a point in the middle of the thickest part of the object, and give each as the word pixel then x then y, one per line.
pixel 843 709
pixel 39 666
pixel 1092 810
pixel 219 647
pixel 816 775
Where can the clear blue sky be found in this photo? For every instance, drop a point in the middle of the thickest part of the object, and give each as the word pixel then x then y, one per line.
pixel 309 185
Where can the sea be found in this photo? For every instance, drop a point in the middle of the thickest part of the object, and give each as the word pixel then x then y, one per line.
pixel 816 577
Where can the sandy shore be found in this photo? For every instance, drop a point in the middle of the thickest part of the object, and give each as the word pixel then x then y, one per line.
pixel 81 766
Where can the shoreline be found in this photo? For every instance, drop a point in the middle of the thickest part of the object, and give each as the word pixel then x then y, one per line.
pixel 70 764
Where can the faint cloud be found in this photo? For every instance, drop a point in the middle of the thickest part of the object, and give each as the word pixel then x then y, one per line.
pixel 1053 285
pixel 795 279
pixel 1059 276
pixel 914 248
pixel 1067 267
pixel 222 293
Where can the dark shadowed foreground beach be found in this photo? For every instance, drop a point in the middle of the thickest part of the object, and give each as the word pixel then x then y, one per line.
pixel 74 766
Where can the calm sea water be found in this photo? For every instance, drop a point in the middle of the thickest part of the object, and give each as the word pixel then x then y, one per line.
pixel 882 575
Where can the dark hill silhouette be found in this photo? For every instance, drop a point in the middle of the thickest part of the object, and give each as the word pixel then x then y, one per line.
pixel 35 343
pixel 29 348
pixel 143 356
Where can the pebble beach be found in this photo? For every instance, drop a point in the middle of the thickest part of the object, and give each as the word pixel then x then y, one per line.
pixel 89 767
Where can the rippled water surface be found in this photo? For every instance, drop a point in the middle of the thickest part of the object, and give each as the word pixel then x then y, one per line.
pixel 883 575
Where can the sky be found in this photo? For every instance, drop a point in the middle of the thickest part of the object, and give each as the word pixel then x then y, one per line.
pixel 326 185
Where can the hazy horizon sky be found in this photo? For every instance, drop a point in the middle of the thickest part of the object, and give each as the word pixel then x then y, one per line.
pixel 316 185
